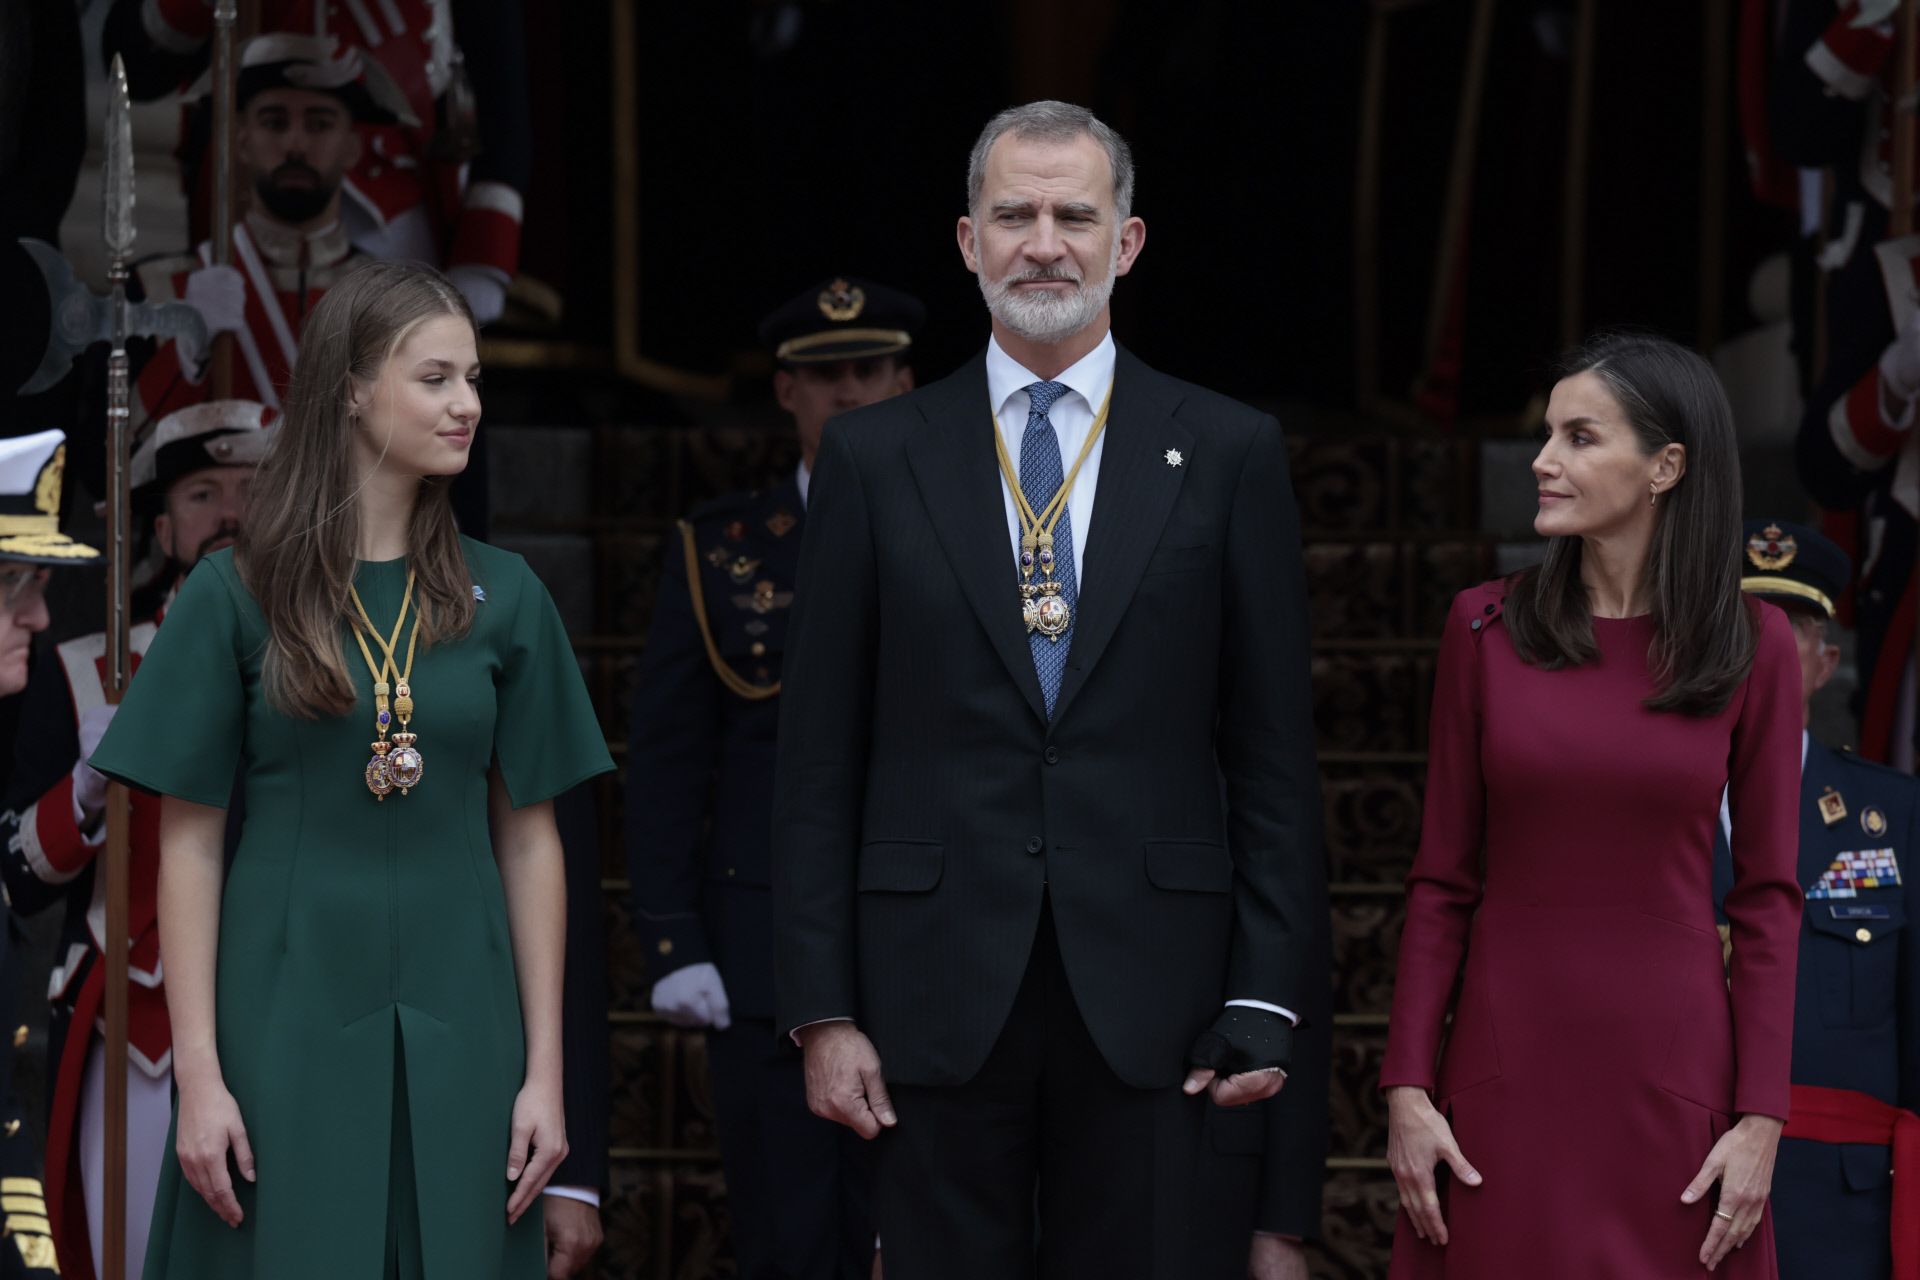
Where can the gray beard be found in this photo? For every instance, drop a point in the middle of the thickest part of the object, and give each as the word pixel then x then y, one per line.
pixel 1045 317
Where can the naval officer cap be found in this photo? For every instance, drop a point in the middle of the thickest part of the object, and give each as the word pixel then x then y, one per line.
pixel 1793 566
pixel 845 318
pixel 31 471
pixel 282 60
pixel 216 433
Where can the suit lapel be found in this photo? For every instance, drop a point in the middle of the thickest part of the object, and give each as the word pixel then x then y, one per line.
pixel 1135 490
pixel 954 464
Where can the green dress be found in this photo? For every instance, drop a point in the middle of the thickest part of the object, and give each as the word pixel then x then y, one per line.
pixel 368 1017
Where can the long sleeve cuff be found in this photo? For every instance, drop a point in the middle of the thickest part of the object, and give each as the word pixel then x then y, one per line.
pixel 1288 1014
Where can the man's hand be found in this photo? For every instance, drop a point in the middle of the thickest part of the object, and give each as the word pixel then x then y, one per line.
pixel 693 996
pixel 573 1235
pixel 1276 1258
pixel 485 291
pixel 89 784
pixel 1236 1091
pixel 843 1078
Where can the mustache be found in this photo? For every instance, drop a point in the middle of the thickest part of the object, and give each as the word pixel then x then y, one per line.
pixel 225 531
pixel 295 167
pixel 1042 273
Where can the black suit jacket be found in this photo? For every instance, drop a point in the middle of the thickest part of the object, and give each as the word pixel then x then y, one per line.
pixel 924 803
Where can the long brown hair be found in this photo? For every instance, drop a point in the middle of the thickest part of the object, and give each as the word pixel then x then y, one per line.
pixel 296 550
pixel 1704 633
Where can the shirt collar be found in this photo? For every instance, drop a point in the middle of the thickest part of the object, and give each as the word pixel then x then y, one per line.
pixel 803 480
pixel 1088 377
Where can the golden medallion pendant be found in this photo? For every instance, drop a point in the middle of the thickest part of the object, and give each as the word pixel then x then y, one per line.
pixel 380 772
pixel 1051 616
pixel 405 766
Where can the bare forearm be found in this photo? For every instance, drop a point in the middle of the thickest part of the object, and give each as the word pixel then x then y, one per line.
pixel 533 873
pixel 192 870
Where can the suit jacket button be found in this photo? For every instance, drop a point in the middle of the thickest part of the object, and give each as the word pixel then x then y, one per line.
pixel 1035 844
pixel 1053 755
pixel 666 946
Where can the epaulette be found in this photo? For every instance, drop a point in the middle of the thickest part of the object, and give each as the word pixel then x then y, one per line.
pixel 1851 757
pixel 1488 602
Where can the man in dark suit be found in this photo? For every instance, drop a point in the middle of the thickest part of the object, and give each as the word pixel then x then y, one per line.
pixel 1838 1206
pixel 1046 817
pixel 700 797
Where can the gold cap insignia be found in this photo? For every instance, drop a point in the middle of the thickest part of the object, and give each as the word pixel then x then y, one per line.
pixel 46 493
pixel 1772 548
pixel 1872 821
pixel 841 301
pixel 781 523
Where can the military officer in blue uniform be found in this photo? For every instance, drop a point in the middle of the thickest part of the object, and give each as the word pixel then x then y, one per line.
pixel 1856 1039
pixel 700 797
pixel 31 474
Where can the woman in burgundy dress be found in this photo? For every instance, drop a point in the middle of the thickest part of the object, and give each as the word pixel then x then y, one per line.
pixel 1610 1094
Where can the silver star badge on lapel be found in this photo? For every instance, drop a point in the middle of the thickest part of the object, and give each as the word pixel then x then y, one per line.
pixel 1173 458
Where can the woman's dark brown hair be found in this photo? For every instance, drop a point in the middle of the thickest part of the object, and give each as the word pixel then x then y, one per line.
pixel 297 548
pixel 1704 634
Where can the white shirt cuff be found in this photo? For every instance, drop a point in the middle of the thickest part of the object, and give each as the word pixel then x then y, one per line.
pixel 795 1033
pixel 93 839
pixel 585 1195
pixel 1288 1014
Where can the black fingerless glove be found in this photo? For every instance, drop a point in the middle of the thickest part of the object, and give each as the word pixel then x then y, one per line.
pixel 1244 1039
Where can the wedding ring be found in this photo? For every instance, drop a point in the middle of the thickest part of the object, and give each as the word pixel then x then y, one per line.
pixel 1722 1213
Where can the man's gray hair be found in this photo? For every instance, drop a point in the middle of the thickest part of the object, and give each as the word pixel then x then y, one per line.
pixel 1053 122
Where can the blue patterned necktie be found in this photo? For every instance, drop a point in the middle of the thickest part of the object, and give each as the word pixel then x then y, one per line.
pixel 1041 475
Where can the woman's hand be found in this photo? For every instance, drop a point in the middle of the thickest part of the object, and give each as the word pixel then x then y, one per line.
pixel 538 1145
pixel 1742 1163
pixel 1418 1139
pixel 209 1124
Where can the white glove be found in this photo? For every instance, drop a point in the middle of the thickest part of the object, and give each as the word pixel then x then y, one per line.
pixel 485 289
pixel 219 294
pixel 1900 362
pixel 89 784
pixel 1874 12
pixel 693 997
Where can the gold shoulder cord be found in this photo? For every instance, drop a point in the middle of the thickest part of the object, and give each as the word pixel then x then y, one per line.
pixel 728 676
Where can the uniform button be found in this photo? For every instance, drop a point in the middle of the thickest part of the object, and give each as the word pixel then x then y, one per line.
pixel 759 649
pixel 13 1127
pixel 1476 624
pixel 1035 844
pixel 666 946
pixel 1053 755
pixel 19 1037
pixel 1863 935
pixel 761 674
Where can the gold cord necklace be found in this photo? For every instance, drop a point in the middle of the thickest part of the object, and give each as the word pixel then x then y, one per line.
pixel 1042 607
pixel 395 764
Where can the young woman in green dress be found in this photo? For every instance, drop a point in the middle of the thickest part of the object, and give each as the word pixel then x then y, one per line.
pixel 366 999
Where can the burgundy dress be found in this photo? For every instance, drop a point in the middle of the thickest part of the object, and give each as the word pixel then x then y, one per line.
pixel 1598 1048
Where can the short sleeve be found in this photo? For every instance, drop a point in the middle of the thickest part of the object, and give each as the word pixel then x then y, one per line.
pixel 546 736
pixel 180 729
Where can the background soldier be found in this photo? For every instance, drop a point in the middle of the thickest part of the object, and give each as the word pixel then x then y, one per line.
pixel 440 181
pixel 1831 107
pixel 700 798
pixel 297 105
pixel 190 484
pixel 31 470
pixel 1856 1032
